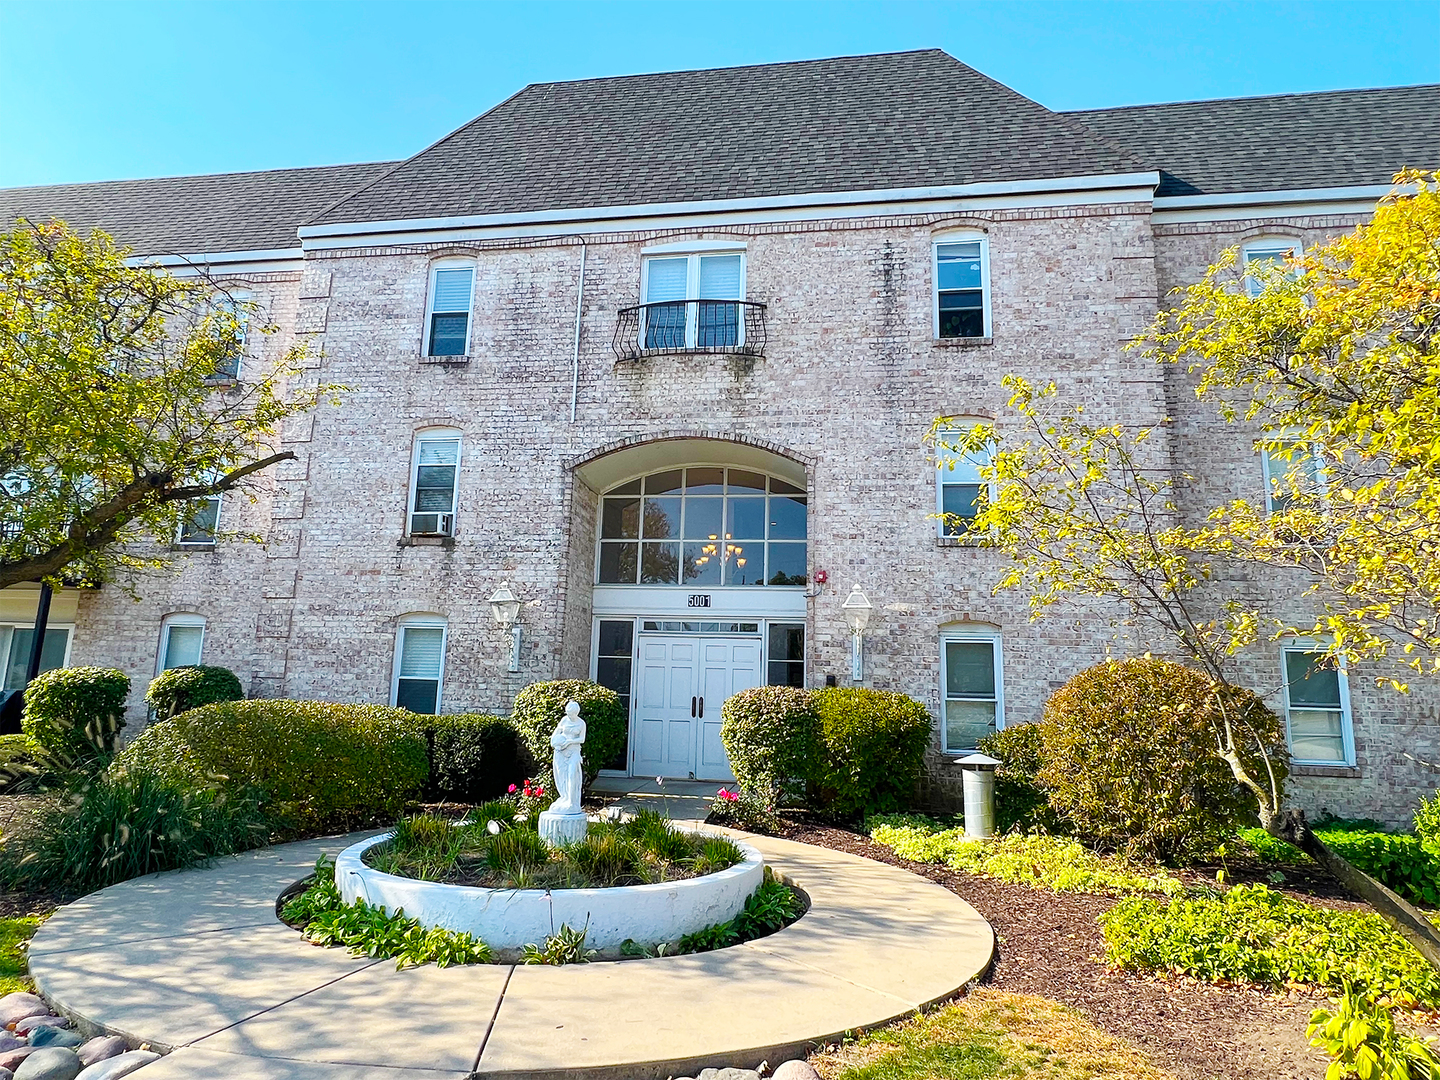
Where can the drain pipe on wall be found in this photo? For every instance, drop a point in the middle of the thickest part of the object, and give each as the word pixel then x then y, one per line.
pixel 579 307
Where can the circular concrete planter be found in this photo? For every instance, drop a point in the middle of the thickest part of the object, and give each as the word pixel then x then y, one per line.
pixel 509 919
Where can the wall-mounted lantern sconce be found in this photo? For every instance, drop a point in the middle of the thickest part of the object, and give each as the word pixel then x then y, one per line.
pixel 857 608
pixel 505 606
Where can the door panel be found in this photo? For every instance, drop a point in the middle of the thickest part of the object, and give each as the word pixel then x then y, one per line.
pixel 728 665
pixel 664 728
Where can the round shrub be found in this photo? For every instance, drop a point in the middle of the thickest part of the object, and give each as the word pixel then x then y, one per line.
pixel 541 706
pixel 771 735
pixel 473 756
pixel 874 747
pixel 316 765
pixel 181 689
pixel 1019 798
pixel 76 713
pixel 1130 757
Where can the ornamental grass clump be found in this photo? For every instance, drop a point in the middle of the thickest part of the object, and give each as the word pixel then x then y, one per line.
pixel 1051 862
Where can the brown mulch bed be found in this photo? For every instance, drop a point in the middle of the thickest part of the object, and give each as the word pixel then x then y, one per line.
pixel 1049 944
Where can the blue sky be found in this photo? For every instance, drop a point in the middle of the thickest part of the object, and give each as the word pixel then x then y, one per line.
pixel 98 91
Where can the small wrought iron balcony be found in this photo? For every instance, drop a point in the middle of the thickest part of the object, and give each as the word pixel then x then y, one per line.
pixel 690 326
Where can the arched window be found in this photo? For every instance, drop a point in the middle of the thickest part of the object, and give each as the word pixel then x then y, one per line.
pixel 419 663
pixel 182 639
pixel 1263 253
pixel 962 285
pixel 703 526
pixel 434 482
pixel 447 309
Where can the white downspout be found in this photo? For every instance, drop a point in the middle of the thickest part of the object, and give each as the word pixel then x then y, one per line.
pixel 575 358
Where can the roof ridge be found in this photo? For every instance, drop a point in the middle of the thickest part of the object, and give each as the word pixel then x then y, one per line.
pixel 196 176
pixel 1252 97
pixel 744 67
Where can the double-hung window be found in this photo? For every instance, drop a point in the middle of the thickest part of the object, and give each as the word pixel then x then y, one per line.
pixel 181 639
pixel 433 484
pixel 1290 470
pixel 447 318
pixel 958 483
pixel 972 688
pixel 200 523
pixel 1261 256
pixel 1317 708
pixel 691 301
pixel 15 645
pixel 234 303
pixel 419 664
pixel 962 289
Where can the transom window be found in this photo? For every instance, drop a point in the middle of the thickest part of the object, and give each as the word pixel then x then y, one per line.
pixel 433 483
pixel 419 664
pixel 1317 709
pixel 681 286
pixel 972 687
pixel 962 292
pixel 703 525
pixel 182 639
pixel 1257 256
pixel 447 319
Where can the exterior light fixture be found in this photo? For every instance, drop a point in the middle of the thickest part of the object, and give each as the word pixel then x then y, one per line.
pixel 505 606
pixel 857 608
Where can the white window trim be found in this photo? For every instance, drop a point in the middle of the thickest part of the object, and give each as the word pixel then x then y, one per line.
pixel 975 634
pixel 968 236
pixel 692 256
pixel 1347 724
pixel 449 264
pixel 943 470
pixel 1273 482
pixel 239 298
pixel 181 618
pixel 437 434
pixel 428 622
pixel 1293 245
pixel 180 541
pixel 7 630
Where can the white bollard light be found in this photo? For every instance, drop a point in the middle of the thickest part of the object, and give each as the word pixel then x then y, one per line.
pixel 979 782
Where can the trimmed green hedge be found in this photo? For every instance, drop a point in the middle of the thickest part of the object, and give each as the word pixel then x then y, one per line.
pixel 771 735
pixel 1019 798
pixel 316 765
pixel 76 713
pixel 473 756
pixel 181 689
pixel 875 743
pixel 540 707
pixel 1398 860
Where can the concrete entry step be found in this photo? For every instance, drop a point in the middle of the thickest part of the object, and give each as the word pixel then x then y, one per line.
pixel 195 961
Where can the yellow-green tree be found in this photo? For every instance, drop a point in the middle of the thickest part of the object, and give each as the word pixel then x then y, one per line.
pixel 112 419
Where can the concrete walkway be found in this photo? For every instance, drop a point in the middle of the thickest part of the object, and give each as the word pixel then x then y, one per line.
pixel 196 961
pixel 679 800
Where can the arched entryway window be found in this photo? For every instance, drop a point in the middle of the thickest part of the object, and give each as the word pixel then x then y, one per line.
pixel 703 526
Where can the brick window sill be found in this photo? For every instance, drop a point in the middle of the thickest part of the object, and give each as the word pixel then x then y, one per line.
pixel 426 541
pixel 446 361
pixel 961 342
pixel 956 542
pixel 222 382
pixel 1347 772
pixel 193 547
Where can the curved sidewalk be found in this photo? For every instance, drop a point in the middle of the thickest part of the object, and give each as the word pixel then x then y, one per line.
pixel 196 961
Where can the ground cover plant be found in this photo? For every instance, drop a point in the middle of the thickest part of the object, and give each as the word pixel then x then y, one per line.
pixel 990 1035
pixel 1400 861
pixel 1361 1038
pixel 1251 934
pixel 1052 862
pixel 495 850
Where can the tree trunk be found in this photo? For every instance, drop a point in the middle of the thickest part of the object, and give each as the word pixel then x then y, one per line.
pixel 1291 826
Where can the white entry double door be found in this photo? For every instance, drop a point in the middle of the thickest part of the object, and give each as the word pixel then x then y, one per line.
pixel 683 682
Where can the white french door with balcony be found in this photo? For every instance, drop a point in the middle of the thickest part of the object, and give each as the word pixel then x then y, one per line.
pixel 683 682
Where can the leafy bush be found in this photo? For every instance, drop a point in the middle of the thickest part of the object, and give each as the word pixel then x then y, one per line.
pixel 1361 1040
pixel 874 747
pixel 1251 934
pixel 565 946
pixel 1019 798
pixel 1130 757
pixel 1399 860
pixel 76 713
pixel 181 689
pixel 769 908
pixel 123 824
pixel 771 735
pixel 541 706
pixel 1046 861
pixel 473 756
pixel 1427 824
pixel 744 810
pixel 317 765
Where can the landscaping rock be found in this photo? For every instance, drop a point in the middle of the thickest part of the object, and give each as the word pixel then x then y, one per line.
pixel 9 1042
pixel 19 1005
pixel 11 1059
pixel 53 1036
pixel 100 1049
pixel 116 1067
pixel 728 1074
pixel 795 1070
pixel 50 1063
pixel 6 1074
pixel 30 1023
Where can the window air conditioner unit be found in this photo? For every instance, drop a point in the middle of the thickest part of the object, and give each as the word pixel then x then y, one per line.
pixel 432 524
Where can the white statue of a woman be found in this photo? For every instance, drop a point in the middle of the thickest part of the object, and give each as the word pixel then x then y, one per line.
pixel 567 741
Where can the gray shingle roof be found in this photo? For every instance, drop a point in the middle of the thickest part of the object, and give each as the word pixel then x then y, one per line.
pixel 855 123
pixel 1337 138
pixel 243 211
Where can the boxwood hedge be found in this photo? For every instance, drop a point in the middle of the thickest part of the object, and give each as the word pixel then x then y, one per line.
pixel 473 756
pixel 181 689
pixel 76 713
pixel 874 743
pixel 541 706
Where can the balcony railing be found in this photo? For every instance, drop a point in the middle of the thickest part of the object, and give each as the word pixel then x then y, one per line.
pixel 681 326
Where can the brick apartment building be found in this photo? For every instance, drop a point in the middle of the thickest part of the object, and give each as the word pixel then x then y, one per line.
pixel 658 353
